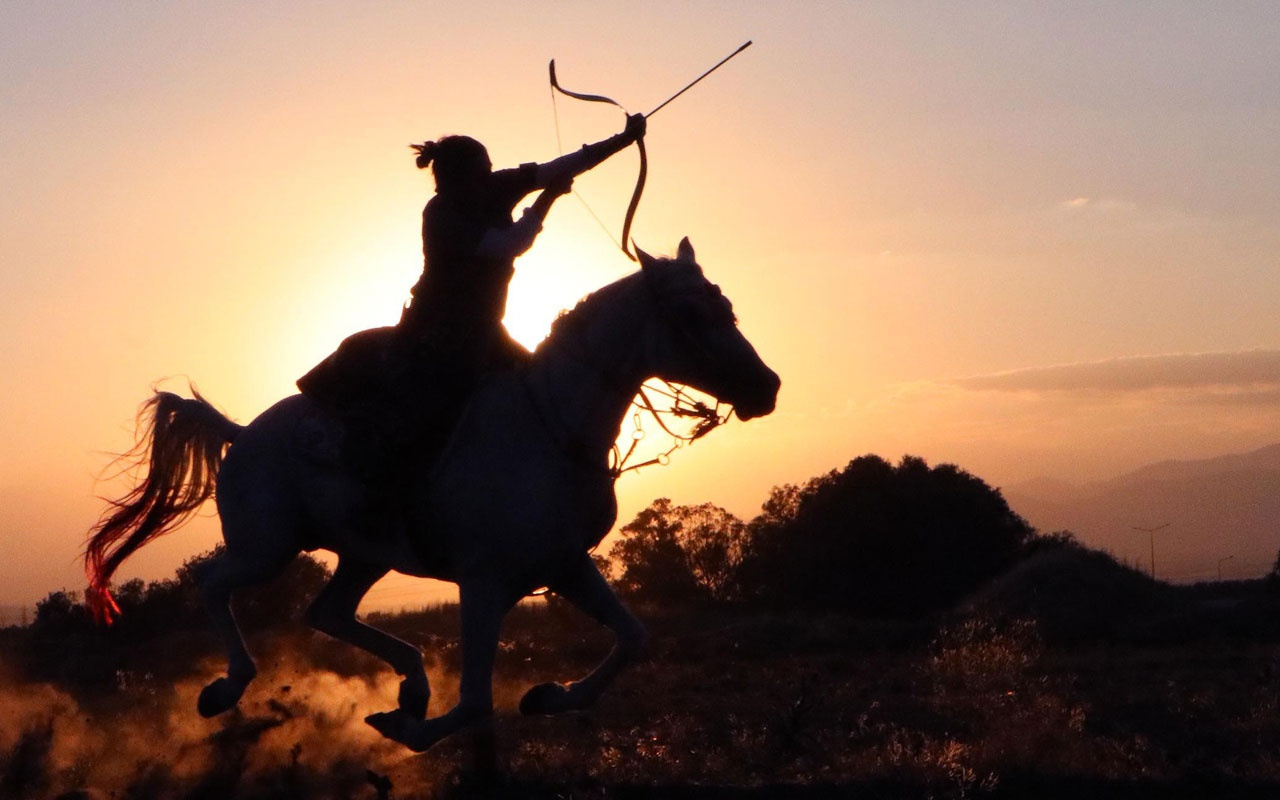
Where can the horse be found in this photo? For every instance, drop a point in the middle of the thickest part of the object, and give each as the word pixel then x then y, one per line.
pixel 515 503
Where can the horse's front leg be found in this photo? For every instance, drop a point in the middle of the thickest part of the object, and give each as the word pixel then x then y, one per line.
pixel 587 589
pixel 334 612
pixel 483 607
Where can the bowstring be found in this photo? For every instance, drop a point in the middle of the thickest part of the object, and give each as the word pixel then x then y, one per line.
pixel 555 113
pixel 711 418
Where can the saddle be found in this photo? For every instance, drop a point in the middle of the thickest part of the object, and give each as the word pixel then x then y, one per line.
pixel 358 371
pixel 354 385
pixel 387 394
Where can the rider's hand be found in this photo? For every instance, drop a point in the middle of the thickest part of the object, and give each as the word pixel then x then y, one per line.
pixel 635 126
pixel 560 186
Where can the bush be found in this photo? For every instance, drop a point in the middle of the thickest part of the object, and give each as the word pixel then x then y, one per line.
pixel 882 540
pixel 1075 594
pixel 873 539
pixel 163 626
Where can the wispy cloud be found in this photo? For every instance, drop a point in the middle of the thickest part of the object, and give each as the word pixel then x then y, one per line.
pixel 1251 372
pixel 1096 204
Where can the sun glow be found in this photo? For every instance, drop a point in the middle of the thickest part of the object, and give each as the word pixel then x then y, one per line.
pixel 357 286
pixel 557 273
pixel 531 309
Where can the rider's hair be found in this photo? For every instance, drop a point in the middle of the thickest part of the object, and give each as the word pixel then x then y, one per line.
pixel 451 159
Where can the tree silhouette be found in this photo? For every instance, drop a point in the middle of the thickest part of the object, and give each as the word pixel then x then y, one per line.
pixel 714 542
pixel 1272 581
pixel 157 619
pixel 674 554
pixel 879 539
pixel 58 613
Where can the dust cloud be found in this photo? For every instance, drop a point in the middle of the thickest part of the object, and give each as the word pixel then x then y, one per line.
pixel 299 731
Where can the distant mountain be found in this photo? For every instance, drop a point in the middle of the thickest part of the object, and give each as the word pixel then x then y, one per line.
pixel 1266 458
pixel 1225 508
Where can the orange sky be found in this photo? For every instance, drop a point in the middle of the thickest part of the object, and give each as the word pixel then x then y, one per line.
pixel 1029 240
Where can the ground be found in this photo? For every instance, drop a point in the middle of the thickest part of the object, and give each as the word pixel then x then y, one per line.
pixel 729 703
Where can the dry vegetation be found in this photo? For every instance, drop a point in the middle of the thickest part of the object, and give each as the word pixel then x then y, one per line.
pixel 816 651
pixel 730 704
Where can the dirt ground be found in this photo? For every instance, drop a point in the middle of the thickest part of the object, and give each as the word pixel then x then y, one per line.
pixel 726 705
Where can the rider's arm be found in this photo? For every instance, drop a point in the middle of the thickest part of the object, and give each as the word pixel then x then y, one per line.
pixel 573 164
pixel 509 242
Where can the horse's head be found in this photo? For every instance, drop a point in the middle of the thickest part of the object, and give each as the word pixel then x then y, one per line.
pixel 696 341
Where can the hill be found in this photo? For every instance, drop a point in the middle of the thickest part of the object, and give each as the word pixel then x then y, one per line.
pixel 1218 509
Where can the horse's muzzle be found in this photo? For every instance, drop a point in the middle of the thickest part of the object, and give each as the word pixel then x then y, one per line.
pixel 762 399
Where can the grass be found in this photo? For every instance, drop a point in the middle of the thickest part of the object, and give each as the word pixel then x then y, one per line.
pixel 728 704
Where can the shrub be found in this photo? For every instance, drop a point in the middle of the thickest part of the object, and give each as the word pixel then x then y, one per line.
pixel 879 539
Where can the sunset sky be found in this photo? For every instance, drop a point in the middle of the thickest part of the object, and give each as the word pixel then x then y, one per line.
pixel 1031 239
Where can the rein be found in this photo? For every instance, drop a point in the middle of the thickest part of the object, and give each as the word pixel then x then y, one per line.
pixel 682 406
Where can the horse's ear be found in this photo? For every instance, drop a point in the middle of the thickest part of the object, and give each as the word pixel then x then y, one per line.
pixel 685 251
pixel 646 260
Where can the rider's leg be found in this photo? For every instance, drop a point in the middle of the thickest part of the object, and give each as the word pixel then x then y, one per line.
pixel 394 438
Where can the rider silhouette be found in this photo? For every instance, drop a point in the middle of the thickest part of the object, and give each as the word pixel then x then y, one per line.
pixel 399 391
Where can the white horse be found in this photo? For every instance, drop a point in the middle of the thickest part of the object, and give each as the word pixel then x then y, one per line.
pixel 521 494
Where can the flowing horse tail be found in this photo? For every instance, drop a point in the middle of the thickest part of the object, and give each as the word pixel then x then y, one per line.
pixel 182 442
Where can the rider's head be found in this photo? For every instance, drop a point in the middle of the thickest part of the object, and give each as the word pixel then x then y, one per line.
pixel 459 163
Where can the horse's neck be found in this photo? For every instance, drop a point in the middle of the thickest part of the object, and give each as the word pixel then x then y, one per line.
pixel 585 384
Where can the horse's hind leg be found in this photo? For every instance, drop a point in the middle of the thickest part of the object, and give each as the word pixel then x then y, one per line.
pixel 334 612
pixel 587 589
pixel 217 578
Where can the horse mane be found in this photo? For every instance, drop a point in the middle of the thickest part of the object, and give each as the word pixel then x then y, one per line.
pixel 667 278
pixel 586 308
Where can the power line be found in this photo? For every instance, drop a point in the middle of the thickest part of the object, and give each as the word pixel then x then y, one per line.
pixel 1152 533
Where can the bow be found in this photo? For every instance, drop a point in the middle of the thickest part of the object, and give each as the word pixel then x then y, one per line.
pixel 644 158
pixel 638 191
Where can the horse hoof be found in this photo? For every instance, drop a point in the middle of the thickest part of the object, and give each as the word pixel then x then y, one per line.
pixel 400 727
pixel 390 724
pixel 545 698
pixel 414 697
pixel 219 696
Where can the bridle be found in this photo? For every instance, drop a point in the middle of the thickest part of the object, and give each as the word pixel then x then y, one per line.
pixel 682 404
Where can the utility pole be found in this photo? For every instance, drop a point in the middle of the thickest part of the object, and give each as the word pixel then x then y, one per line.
pixel 1227 558
pixel 1152 533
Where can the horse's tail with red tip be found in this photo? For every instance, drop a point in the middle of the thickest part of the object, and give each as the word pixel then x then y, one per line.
pixel 182 443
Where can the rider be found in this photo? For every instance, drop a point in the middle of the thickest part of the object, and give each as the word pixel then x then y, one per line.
pixel 451 332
